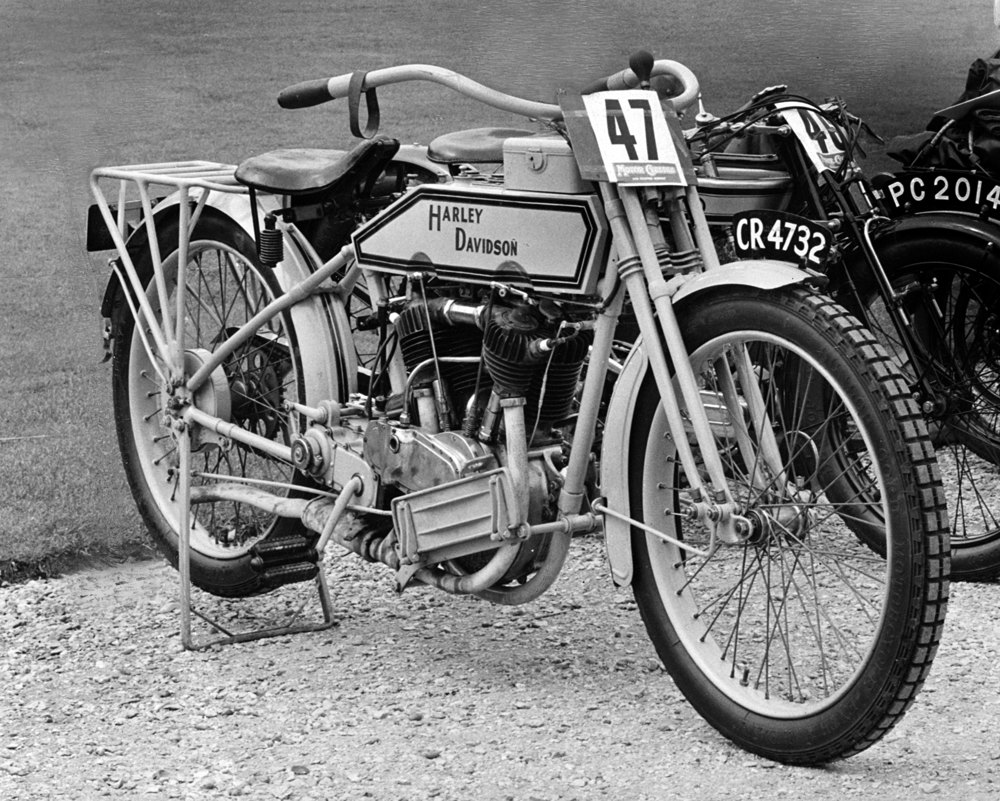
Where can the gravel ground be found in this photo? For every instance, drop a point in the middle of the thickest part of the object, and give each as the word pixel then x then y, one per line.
pixel 425 696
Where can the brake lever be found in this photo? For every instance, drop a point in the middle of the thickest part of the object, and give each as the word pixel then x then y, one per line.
pixel 767 91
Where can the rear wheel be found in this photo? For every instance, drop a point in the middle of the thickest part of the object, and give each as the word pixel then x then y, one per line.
pixel 800 643
pixel 226 288
pixel 952 298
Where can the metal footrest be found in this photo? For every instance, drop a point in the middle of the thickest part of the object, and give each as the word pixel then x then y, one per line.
pixel 285 560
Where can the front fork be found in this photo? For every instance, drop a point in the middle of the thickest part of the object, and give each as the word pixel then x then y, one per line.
pixel 639 243
pixel 932 400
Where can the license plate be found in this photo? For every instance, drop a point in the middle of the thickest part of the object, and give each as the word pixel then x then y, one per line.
pixel 925 190
pixel 782 236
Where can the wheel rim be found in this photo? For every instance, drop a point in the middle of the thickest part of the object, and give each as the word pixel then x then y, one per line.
pixel 964 358
pixel 784 624
pixel 225 290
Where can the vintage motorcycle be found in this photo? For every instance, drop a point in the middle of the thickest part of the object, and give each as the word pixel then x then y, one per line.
pixel 780 178
pixel 752 427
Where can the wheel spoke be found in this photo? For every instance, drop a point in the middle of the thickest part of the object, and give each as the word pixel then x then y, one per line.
pixel 223 291
pixel 958 346
pixel 786 620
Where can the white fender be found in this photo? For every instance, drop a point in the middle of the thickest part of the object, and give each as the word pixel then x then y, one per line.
pixel 759 273
pixel 614 463
pixel 329 371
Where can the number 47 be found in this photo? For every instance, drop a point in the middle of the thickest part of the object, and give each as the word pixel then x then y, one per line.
pixel 618 130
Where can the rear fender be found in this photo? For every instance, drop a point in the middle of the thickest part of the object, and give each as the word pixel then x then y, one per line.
pixel 758 274
pixel 330 372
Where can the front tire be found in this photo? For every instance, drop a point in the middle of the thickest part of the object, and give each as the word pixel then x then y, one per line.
pixel 800 644
pixel 951 293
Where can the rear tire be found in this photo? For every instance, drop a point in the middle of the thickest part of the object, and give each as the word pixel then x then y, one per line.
pixel 801 644
pixel 227 286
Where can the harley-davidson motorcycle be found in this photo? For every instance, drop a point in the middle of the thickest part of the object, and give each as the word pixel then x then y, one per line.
pixel 780 178
pixel 412 353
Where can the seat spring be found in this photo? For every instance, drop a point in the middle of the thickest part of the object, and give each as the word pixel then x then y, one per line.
pixel 270 249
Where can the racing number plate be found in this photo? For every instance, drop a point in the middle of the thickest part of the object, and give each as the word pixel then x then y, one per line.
pixel 822 141
pixel 914 191
pixel 780 235
pixel 627 137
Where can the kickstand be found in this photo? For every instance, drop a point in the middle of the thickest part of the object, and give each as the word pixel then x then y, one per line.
pixel 184 565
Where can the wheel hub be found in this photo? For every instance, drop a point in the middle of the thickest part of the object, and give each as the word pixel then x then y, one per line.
pixel 213 397
pixel 789 522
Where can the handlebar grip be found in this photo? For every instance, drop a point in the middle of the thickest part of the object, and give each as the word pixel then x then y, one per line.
pixel 305 94
pixel 659 74
pixel 620 80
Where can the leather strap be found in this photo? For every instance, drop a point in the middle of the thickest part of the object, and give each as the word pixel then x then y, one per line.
pixel 354 92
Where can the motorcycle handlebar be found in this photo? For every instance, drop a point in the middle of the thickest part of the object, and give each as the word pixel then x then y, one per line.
pixel 640 68
pixel 314 92
pixel 305 94
pixel 631 78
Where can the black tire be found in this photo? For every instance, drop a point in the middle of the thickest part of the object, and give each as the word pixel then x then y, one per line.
pixel 801 644
pixel 951 292
pixel 224 273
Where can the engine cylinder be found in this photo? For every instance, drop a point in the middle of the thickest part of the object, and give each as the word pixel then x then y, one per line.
pixel 553 385
pixel 507 349
pixel 415 346
pixel 519 367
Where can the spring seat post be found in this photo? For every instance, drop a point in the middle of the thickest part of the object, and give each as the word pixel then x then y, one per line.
pixel 270 249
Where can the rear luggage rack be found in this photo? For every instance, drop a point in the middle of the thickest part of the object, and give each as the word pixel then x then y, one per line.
pixel 194 181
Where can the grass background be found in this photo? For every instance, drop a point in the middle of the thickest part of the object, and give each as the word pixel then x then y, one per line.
pixel 89 82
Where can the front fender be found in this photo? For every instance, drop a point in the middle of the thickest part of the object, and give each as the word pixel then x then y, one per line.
pixel 615 463
pixel 763 274
pixel 758 273
pixel 920 238
pixel 953 225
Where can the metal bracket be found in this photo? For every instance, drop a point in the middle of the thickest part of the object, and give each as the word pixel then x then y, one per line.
pixel 226 637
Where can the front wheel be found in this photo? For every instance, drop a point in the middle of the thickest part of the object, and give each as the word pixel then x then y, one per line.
pixel 950 293
pixel 799 643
